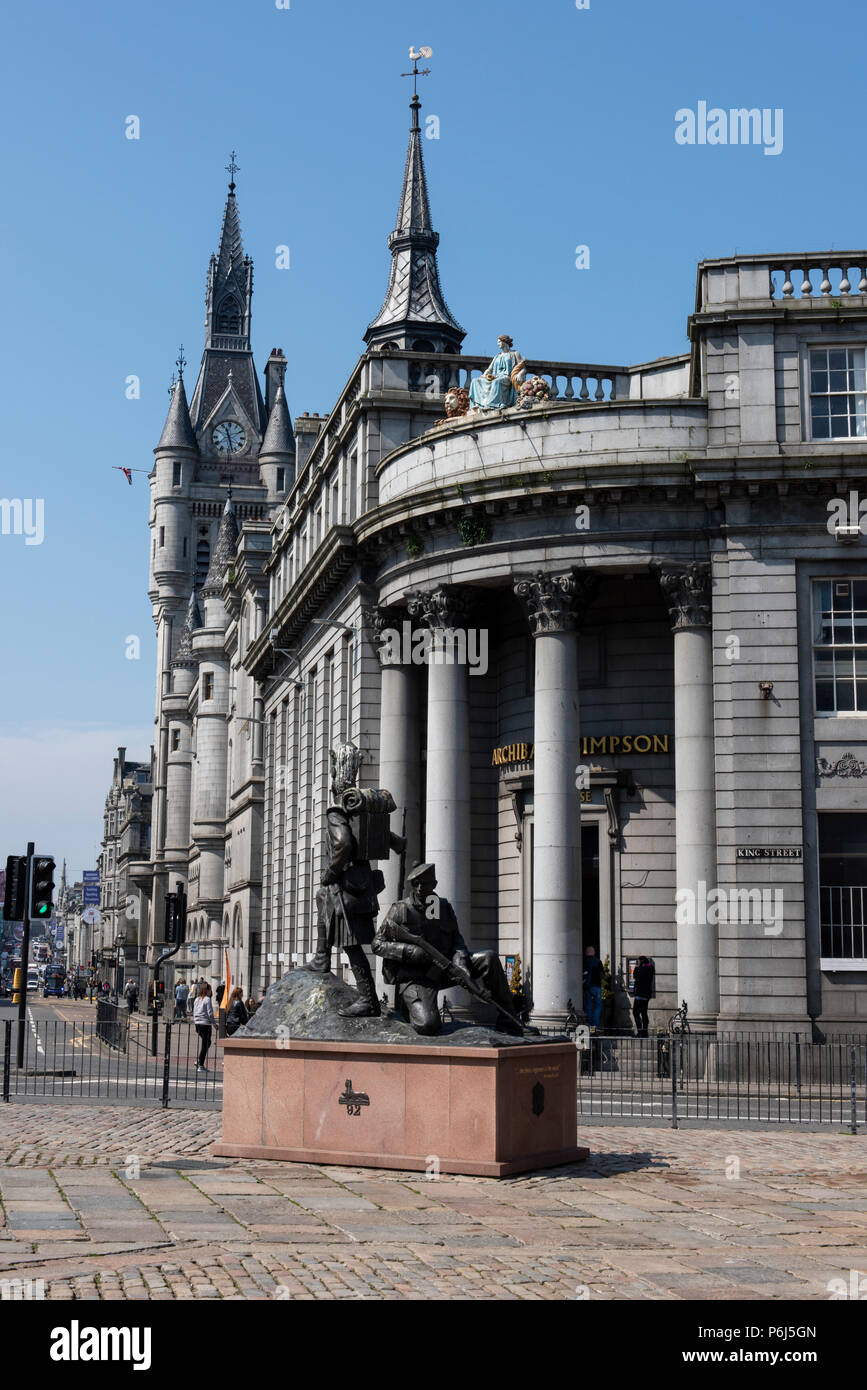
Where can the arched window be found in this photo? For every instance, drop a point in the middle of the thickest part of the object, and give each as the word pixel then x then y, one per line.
pixel 422 345
pixel 203 562
pixel 229 316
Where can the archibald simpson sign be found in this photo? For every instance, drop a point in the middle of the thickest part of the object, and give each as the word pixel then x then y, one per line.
pixel 605 743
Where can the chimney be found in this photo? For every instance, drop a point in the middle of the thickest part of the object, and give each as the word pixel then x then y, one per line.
pixel 275 375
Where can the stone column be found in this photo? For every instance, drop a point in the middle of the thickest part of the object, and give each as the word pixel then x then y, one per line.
pixel 687 590
pixel 447 801
pixel 555 604
pixel 399 740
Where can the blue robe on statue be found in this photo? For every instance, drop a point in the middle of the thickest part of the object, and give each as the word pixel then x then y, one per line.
pixel 496 394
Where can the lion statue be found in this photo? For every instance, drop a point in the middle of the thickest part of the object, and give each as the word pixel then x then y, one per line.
pixel 457 403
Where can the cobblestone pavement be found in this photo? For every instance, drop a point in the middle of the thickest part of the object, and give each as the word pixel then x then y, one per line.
pixel 99 1202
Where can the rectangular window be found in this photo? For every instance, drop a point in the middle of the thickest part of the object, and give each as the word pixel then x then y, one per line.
pixel 838 393
pixel 843 889
pixel 162 536
pixel 176 475
pixel 176 740
pixel 185 547
pixel 208 685
pixel 840 646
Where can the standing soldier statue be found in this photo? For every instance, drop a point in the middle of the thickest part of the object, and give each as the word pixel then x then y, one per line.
pixel 358 826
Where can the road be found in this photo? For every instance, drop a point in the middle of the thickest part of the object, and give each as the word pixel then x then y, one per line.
pixel 64 1055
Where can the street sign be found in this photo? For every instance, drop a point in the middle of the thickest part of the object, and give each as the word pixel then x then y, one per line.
pixel 90 879
pixel 194 948
pixel 91 916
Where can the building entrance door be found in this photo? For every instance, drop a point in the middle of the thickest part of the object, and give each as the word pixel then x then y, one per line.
pixel 595 897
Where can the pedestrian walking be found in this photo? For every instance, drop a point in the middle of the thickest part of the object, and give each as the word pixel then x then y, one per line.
pixel 643 982
pixel 238 1014
pixel 204 1020
pixel 182 994
pixel 592 987
pixel 130 994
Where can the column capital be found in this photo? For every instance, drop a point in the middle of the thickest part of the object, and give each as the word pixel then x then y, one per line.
pixel 440 607
pixel 687 591
pixel 556 602
pixel 382 619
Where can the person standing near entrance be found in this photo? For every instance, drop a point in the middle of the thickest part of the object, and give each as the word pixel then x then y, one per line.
pixel 204 1020
pixel 643 993
pixel 181 996
pixel 592 987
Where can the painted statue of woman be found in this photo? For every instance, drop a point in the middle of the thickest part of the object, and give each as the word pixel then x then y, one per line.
pixel 496 389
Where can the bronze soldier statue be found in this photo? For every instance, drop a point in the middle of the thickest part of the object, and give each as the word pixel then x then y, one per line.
pixel 424 952
pixel 359 830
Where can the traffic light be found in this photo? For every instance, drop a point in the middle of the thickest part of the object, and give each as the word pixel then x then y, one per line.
pixel 42 888
pixel 16 888
pixel 176 917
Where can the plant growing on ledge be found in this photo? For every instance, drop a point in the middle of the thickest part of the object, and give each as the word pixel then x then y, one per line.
pixel 414 546
pixel 473 529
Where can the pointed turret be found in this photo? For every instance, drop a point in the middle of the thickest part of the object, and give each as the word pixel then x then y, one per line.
pixel 224 552
pixel 415 314
pixel 192 621
pixel 279 438
pixel 227 351
pixel 178 432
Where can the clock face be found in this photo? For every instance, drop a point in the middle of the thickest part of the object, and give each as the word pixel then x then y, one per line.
pixel 228 437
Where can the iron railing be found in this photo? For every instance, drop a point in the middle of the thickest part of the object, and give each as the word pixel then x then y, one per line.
pixel 700 1077
pixel 112 1024
pixel 110 1059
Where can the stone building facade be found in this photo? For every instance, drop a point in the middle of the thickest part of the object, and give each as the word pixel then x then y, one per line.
pixel 125 846
pixel 640 720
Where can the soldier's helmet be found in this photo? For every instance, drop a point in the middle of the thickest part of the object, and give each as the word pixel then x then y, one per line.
pixel 345 762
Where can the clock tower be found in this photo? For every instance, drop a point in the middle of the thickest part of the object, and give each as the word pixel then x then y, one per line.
pixel 224 463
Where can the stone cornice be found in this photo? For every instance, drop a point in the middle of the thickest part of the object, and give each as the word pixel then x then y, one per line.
pixel 326 571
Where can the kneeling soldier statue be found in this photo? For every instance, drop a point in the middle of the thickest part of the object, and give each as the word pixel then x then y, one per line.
pixel 423 952
pixel 358 825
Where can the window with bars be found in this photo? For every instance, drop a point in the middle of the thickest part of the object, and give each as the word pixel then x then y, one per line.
pixel 840 646
pixel 843 887
pixel 838 393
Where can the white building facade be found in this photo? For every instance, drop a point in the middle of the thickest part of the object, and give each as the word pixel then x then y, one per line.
pixel 656 743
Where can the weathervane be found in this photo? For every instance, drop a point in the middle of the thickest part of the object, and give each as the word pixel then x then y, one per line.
pixel 417 72
pixel 232 169
pixel 181 362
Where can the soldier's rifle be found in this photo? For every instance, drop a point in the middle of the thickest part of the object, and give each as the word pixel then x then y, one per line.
pixel 395 931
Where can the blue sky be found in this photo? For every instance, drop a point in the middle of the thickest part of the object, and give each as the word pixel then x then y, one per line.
pixel 556 129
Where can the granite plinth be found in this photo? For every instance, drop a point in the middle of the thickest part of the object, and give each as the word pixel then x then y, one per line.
pixel 485 1111
pixel 302 1084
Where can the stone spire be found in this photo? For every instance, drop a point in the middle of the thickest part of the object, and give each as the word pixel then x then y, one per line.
pixel 279 438
pixel 228 318
pixel 178 432
pixel 224 552
pixel 184 654
pixel 415 308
